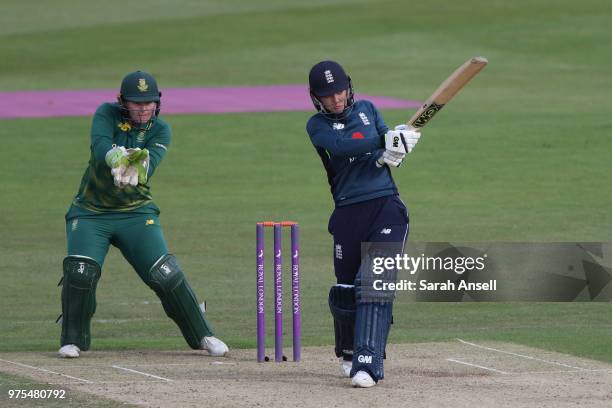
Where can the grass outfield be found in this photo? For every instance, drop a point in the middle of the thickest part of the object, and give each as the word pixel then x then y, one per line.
pixel 521 155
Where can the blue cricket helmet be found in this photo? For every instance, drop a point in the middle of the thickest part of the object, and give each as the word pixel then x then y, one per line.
pixel 327 78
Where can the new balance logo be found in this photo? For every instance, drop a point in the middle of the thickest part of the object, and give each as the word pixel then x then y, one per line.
pixel 386 231
pixel 365 359
pixel 338 126
pixel 396 141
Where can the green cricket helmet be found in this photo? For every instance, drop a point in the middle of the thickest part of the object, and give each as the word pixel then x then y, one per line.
pixel 138 87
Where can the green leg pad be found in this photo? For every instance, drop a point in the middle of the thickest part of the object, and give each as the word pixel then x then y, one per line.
pixel 81 275
pixel 178 300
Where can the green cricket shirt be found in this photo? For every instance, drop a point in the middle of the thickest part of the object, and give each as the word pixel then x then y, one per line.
pixel 97 192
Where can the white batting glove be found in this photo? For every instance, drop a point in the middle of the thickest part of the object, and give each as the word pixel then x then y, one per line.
pixel 399 142
pixel 394 142
pixel 410 135
pixel 392 159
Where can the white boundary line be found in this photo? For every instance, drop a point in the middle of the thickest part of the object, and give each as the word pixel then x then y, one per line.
pixel 141 373
pixel 476 365
pixel 521 355
pixel 46 371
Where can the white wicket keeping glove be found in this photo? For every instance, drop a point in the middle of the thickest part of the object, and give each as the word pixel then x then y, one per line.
pixel 140 159
pixel 117 174
pixel 117 156
pixel 117 159
pixel 129 177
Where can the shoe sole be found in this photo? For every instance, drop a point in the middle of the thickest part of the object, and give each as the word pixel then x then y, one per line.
pixel 368 385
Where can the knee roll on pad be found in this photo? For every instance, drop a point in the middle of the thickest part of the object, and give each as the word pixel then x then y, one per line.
pixel 179 301
pixel 81 275
pixel 166 275
pixel 81 271
pixel 342 306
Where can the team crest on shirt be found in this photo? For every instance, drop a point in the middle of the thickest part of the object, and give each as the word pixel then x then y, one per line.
pixel 140 138
pixel 124 126
pixel 338 251
pixel 338 126
pixel 364 118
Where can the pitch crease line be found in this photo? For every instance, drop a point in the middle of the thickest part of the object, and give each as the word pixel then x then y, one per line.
pixel 590 370
pixel 476 365
pixel 521 355
pixel 46 371
pixel 141 373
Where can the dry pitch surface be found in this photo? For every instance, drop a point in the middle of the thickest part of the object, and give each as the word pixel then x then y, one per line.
pixel 458 374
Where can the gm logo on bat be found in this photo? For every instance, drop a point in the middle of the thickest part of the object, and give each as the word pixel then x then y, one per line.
pixel 427 115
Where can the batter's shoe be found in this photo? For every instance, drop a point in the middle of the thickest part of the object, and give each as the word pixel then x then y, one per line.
pixel 214 346
pixel 362 379
pixel 345 367
pixel 69 351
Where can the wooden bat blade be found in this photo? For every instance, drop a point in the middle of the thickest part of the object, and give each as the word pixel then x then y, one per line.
pixel 447 90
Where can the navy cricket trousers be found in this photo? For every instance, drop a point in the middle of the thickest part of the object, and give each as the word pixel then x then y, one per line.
pixel 383 219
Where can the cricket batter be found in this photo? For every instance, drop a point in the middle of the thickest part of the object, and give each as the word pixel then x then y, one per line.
pixel 357 150
pixel 114 207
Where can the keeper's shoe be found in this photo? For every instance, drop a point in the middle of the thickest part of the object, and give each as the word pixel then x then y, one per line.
pixel 345 367
pixel 69 351
pixel 214 346
pixel 362 379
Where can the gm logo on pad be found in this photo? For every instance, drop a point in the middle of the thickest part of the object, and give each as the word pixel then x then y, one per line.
pixel 364 359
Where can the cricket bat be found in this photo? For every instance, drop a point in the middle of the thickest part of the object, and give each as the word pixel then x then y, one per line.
pixel 446 91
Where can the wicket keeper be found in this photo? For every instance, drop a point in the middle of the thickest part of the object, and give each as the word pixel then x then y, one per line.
pixel 114 206
pixel 350 137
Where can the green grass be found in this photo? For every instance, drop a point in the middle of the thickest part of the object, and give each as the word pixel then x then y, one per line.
pixel 521 155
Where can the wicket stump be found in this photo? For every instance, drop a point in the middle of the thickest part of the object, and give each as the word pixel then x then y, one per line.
pixel 278 290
